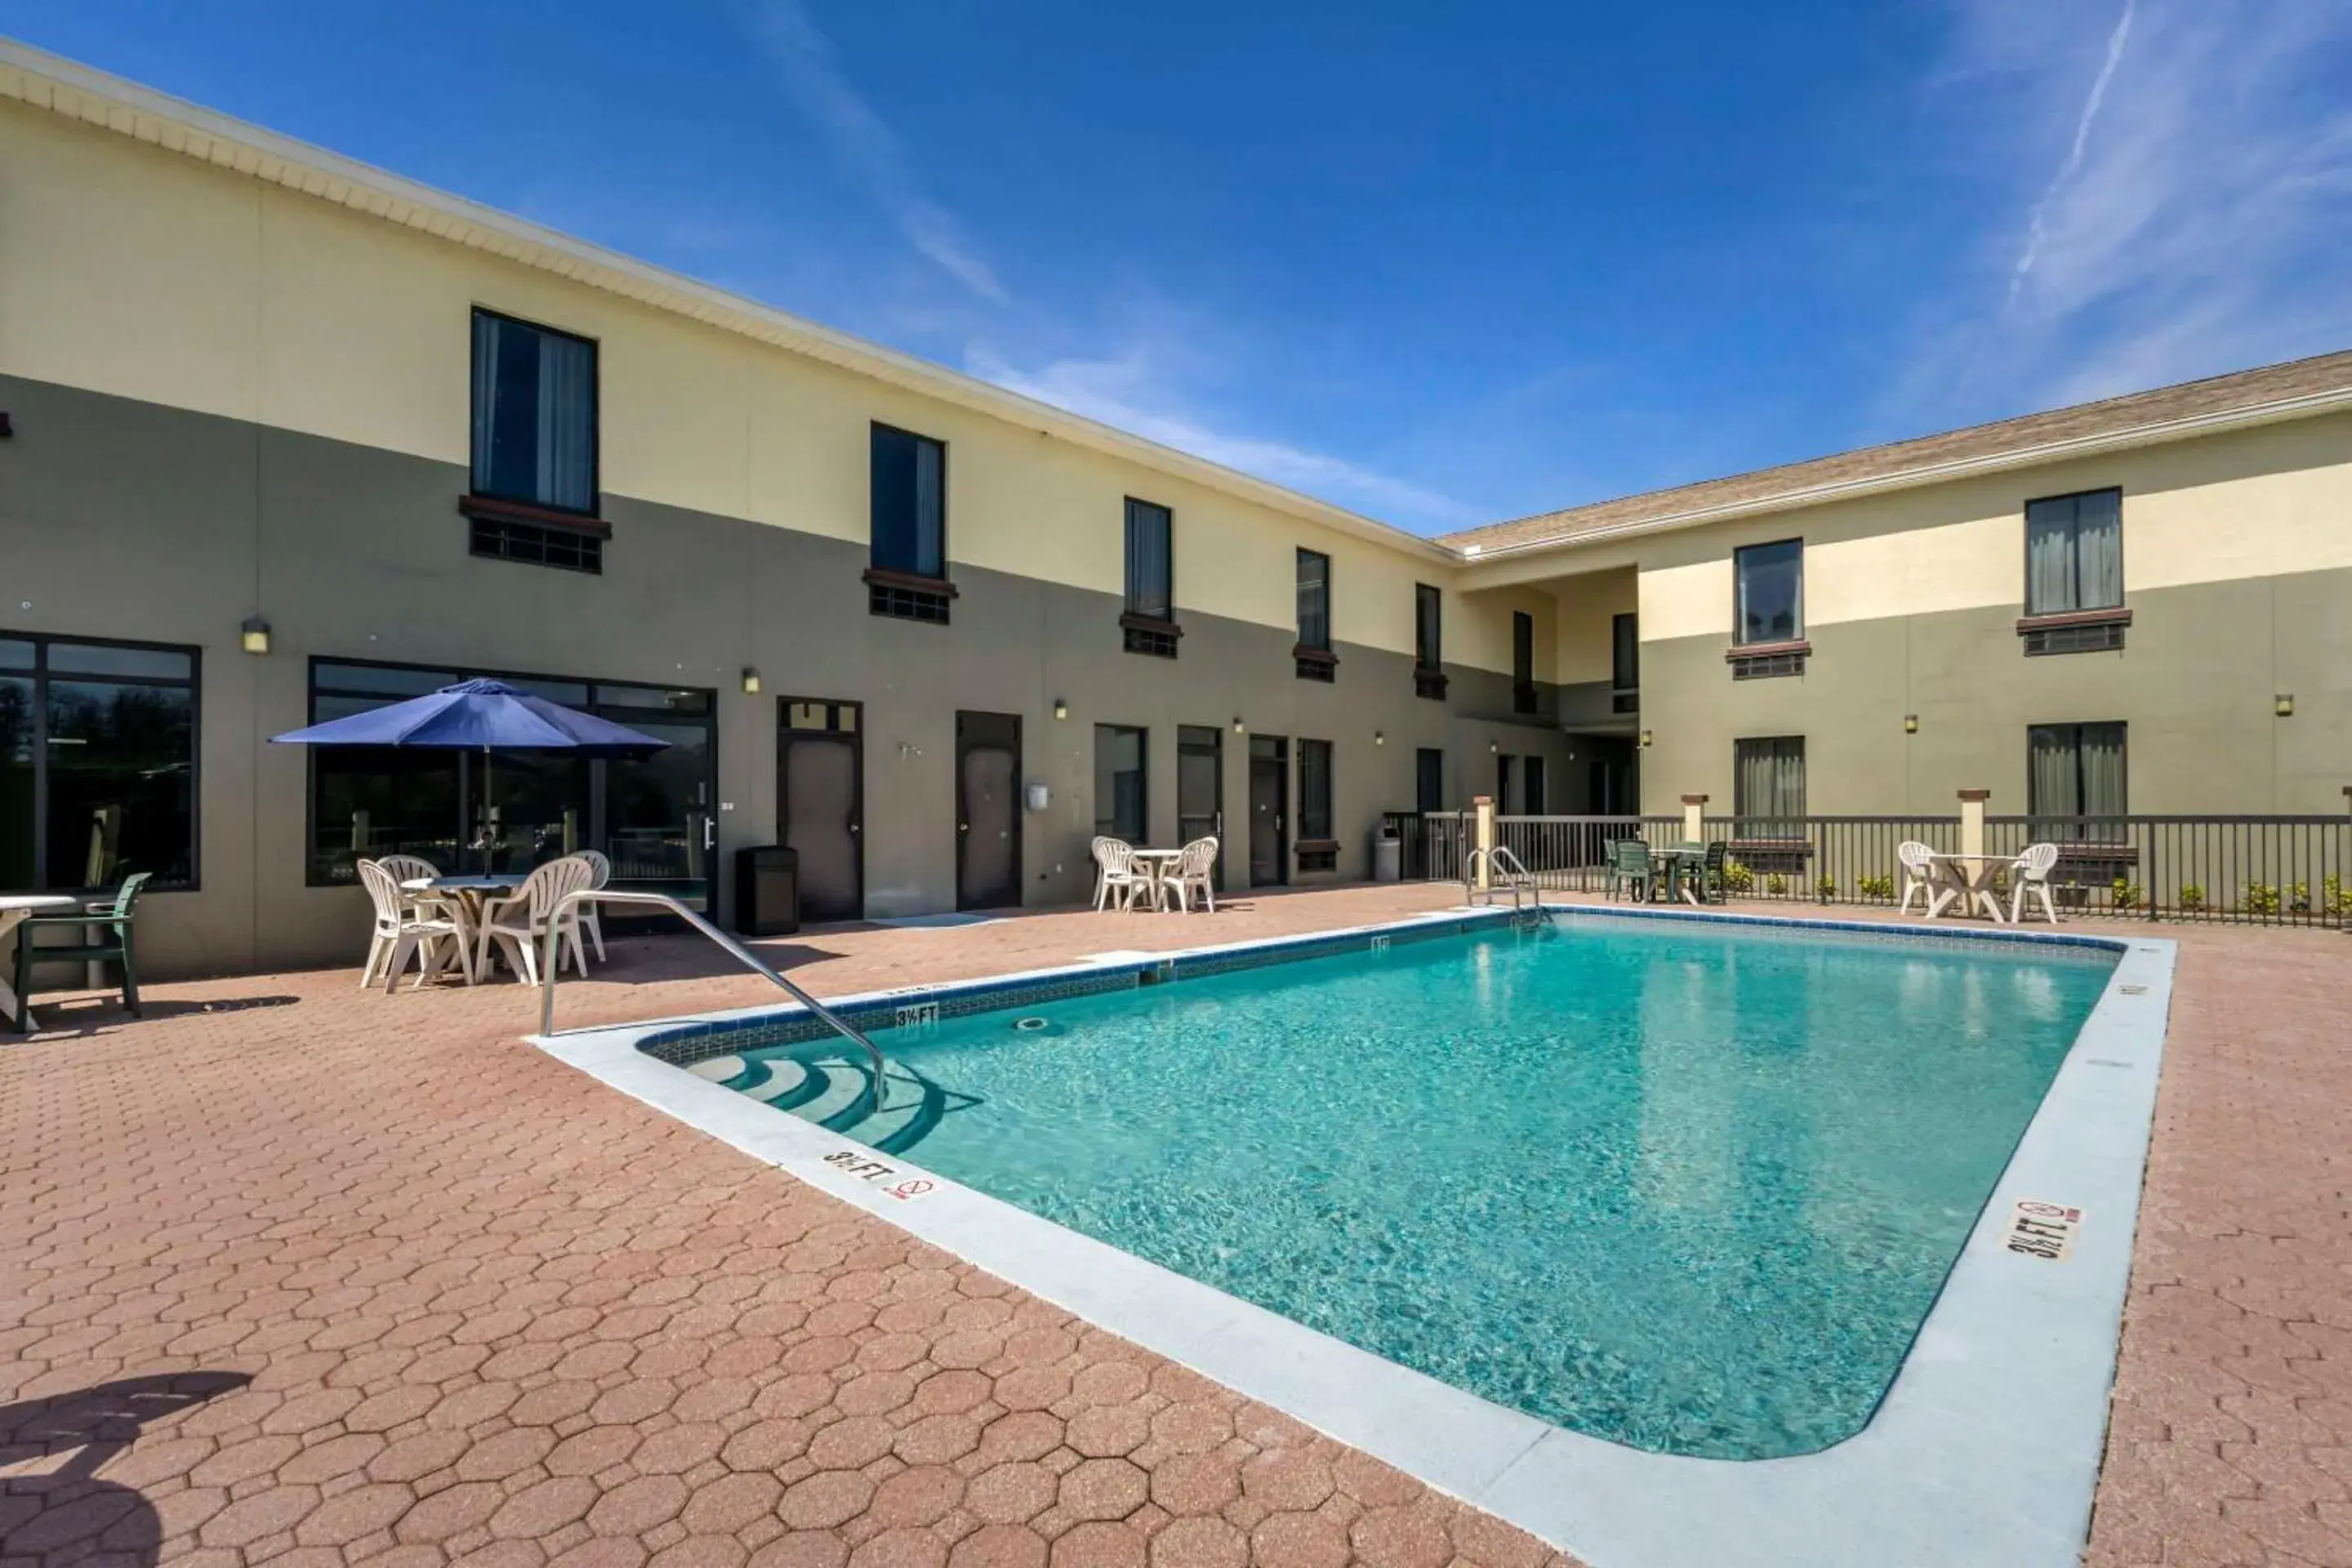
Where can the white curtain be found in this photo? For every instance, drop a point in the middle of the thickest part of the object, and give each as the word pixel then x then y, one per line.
pixel 2099 550
pixel 930 515
pixel 2050 557
pixel 567 424
pixel 486 401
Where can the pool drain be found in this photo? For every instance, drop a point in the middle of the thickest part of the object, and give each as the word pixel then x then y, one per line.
pixel 1030 1024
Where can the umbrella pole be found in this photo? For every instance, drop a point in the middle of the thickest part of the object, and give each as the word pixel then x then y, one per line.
pixel 490 816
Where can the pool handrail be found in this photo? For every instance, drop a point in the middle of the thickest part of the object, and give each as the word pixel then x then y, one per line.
pixel 1502 861
pixel 734 949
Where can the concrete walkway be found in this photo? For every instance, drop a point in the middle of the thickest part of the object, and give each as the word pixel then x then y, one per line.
pixel 293 1272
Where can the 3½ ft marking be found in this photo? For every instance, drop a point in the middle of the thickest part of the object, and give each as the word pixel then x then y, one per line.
pixel 858 1163
pixel 2043 1231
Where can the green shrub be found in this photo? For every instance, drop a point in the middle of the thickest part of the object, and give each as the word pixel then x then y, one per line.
pixel 2259 898
pixel 1874 886
pixel 2192 896
pixel 2298 897
pixel 1737 877
pixel 2334 896
pixel 1776 886
pixel 2124 895
pixel 1826 887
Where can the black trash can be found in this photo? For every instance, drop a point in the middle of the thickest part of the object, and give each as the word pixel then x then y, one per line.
pixel 767 891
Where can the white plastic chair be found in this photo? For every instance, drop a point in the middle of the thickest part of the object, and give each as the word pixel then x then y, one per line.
pixel 402 931
pixel 1115 873
pixel 2031 874
pixel 1194 872
pixel 519 924
pixel 587 912
pixel 1918 863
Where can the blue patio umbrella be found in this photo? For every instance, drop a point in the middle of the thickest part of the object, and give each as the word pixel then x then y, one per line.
pixel 484 716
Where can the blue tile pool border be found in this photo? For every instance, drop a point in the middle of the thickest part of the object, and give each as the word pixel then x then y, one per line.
pixel 1985 1449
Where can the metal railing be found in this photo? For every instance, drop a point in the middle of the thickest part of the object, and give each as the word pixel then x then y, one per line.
pixel 1498 862
pixel 736 949
pixel 2257 870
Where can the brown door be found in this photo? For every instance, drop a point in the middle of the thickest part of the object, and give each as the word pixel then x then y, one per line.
pixel 1270 788
pixel 988 810
pixel 821 803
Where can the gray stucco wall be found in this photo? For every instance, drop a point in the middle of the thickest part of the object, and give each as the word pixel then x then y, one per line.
pixel 120 519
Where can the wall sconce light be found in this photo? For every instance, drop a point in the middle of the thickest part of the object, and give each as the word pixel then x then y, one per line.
pixel 2283 705
pixel 1060 709
pixel 254 635
pixel 1238 726
pixel 1494 747
pixel 1378 739
pixel 751 682
pixel 1646 740
pixel 1910 723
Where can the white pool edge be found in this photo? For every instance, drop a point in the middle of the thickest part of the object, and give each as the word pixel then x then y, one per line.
pixel 1985 1451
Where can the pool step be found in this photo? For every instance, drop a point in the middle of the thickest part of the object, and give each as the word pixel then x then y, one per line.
pixel 833 1091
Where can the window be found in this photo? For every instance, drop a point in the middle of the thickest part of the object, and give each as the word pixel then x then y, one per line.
pixel 2075 771
pixel 907 577
pixel 1768 787
pixel 534 415
pixel 1625 664
pixel 2075 573
pixel 459 810
pixel 1429 779
pixel 1505 803
pixel 1428 642
pixel 1119 806
pixel 1149 622
pixel 536 544
pixel 1770 590
pixel 97 763
pixel 2074 552
pixel 1531 775
pixel 1317 851
pixel 1523 662
pixel 1313 655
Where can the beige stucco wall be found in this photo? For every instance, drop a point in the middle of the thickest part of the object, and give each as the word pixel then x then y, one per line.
pixel 1585 611
pixel 141 273
pixel 2237 566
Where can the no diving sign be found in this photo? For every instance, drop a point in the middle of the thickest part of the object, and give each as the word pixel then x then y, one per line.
pixel 2043 1231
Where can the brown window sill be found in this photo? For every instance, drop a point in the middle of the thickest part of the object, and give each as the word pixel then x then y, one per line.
pixel 883 577
pixel 1316 846
pixel 1130 621
pixel 1306 655
pixel 2119 616
pixel 1765 649
pixel 524 511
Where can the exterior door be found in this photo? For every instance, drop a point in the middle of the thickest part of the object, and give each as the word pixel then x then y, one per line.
pixel 988 810
pixel 657 819
pixel 1616 788
pixel 821 803
pixel 1269 786
pixel 1503 801
pixel 1200 789
pixel 1531 784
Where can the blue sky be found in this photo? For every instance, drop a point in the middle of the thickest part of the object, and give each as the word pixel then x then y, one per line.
pixel 1443 264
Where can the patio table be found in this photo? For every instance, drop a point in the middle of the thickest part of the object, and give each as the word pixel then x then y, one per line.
pixel 14 909
pixel 1968 878
pixel 1675 858
pixel 465 896
pixel 1155 864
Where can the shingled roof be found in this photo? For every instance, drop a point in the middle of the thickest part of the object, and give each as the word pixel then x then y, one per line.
pixel 2149 413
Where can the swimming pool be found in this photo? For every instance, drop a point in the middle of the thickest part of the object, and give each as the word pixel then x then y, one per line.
pixel 1690 1188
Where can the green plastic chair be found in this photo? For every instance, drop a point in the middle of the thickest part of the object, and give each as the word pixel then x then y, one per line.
pixel 117 914
pixel 1714 887
pixel 1630 865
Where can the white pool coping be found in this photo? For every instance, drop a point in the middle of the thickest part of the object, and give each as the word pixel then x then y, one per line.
pixel 1985 1449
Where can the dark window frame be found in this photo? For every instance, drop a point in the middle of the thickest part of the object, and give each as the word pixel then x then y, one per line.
pixel 2075 728
pixel 1429 642
pixel 554 514
pixel 1625 659
pixel 1743 811
pixel 895 592
pixel 40 673
pixel 2025 532
pixel 1743 647
pixel 1142 735
pixel 1317 851
pixel 311 693
pixel 1523 662
pixel 1313 661
pixel 1141 630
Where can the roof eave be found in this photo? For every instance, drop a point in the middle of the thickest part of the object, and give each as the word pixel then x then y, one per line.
pixel 2154 433
pixel 65 87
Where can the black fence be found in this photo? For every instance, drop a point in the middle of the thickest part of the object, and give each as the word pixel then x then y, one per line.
pixel 2262 870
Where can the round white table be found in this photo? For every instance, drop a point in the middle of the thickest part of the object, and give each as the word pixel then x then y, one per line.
pixel 1969 879
pixel 465 896
pixel 15 907
pixel 1157 862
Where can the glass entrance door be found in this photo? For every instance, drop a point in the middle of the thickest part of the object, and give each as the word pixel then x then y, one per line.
pixel 1200 790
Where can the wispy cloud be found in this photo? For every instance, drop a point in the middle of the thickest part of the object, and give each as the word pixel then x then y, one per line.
pixel 867 149
pixel 2199 212
pixel 1130 390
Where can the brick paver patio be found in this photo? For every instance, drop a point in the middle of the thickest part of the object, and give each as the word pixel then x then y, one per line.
pixel 292 1272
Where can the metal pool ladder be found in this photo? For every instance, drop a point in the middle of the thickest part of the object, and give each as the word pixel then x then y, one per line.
pixel 736 949
pixel 1500 862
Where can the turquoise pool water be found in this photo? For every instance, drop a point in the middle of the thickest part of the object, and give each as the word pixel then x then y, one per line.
pixel 1690 1189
